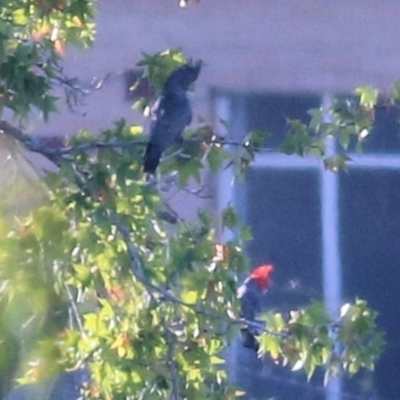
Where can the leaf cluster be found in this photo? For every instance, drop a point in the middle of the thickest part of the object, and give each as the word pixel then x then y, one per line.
pixel 339 129
pixel 33 35
pixel 143 300
pixel 309 339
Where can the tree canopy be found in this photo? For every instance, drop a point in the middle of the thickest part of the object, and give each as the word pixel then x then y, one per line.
pixel 104 275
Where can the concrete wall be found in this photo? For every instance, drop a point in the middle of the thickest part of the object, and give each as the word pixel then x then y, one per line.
pixel 247 45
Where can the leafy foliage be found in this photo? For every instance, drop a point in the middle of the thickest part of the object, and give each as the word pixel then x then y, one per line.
pixel 310 339
pixel 347 121
pixel 146 297
pixel 33 35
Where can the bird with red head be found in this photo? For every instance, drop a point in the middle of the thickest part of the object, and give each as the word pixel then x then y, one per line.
pixel 262 276
pixel 250 294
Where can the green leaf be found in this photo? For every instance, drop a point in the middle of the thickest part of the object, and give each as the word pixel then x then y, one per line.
pixel 217 360
pixel 230 218
pixel 315 314
pixel 187 169
pixel 82 273
pixel 20 17
pixel 190 296
pixel 368 96
pixel 215 157
pixel 246 234
pixel 298 140
pixel 256 138
pixel 344 139
pixel 50 224
pixel 140 105
pixel 135 130
pixel 317 118
pixel 269 344
pixel 160 65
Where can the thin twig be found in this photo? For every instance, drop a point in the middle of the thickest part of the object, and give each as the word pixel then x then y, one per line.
pixel 34 144
pixel 76 90
pixel 75 311
pixel 197 192
pixel 194 307
pixel 95 145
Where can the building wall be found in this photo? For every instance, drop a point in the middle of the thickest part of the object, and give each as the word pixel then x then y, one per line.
pixel 247 45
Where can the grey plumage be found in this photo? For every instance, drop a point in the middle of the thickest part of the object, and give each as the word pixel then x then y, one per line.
pixel 250 301
pixel 171 114
pixel 251 293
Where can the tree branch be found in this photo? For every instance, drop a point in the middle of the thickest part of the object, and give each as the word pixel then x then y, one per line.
pixel 75 90
pixel 38 144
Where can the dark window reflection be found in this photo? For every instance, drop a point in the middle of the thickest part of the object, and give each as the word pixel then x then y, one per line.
pixel 271 113
pixel 385 136
pixel 370 244
pixel 283 210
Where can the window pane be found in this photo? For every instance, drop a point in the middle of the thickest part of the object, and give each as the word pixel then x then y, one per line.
pixel 385 137
pixel 283 210
pixel 272 112
pixel 370 245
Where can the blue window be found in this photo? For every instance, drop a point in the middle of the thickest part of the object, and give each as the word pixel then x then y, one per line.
pixel 331 236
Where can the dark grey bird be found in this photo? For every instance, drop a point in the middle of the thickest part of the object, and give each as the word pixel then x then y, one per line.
pixel 250 294
pixel 171 114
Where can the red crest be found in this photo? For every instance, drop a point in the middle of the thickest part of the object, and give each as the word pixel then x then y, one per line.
pixel 262 276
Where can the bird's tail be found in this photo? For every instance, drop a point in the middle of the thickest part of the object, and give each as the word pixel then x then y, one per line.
pixel 249 334
pixel 248 339
pixel 151 158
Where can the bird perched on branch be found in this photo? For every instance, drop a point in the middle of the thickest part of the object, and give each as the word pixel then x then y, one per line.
pixel 250 294
pixel 171 114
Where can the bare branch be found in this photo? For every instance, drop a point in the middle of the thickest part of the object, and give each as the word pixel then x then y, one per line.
pixel 16 133
pixel 38 144
pixel 35 143
pixel 76 90
pixel 75 311
pixel 198 192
